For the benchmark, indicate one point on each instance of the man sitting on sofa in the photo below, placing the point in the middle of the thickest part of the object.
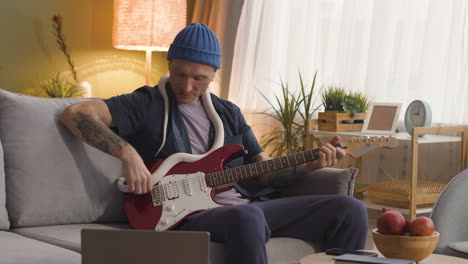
(197, 121)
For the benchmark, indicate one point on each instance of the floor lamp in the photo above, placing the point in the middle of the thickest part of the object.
(148, 25)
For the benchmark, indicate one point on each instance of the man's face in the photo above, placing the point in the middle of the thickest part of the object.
(189, 80)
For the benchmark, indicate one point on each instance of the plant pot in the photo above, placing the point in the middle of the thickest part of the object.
(340, 122)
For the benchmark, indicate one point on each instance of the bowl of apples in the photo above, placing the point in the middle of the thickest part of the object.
(396, 237)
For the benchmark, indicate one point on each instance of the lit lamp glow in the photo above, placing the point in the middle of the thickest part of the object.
(148, 25)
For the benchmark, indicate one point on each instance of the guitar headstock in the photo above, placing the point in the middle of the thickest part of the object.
(358, 146)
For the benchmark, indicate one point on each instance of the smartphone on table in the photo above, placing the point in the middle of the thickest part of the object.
(341, 251)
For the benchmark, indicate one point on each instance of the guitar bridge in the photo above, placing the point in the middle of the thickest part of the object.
(164, 192)
(157, 195)
(172, 186)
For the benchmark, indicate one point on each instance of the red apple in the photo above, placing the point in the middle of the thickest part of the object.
(391, 223)
(421, 226)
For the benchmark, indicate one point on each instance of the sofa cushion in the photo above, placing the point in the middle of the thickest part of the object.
(280, 250)
(324, 181)
(65, 236)
(51, 176)
(4, 222)
(17, 249)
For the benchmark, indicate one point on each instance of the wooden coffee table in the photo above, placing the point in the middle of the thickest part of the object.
(322, 258)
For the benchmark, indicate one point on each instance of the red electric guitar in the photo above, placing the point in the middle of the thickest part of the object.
(189, 186)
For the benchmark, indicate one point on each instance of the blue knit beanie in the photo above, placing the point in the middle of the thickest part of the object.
(196, 43)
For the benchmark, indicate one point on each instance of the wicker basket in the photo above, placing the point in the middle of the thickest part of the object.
(396, 193)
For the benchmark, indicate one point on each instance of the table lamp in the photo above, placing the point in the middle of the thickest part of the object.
(148, 25)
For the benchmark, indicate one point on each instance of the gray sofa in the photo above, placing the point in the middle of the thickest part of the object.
(52, 185)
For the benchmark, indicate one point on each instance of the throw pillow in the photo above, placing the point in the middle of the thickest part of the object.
(52, 177)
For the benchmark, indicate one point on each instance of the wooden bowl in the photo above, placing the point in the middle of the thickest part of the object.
(405, 247)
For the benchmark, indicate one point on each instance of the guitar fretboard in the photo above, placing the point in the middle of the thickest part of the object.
(240, 173)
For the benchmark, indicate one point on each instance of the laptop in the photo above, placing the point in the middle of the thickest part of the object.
(144, 246)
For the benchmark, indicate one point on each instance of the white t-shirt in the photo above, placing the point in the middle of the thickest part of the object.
(197, 124)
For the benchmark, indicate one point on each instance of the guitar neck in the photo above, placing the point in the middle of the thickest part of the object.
(254, 169)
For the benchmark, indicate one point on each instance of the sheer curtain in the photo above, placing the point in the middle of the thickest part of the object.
(392, 50)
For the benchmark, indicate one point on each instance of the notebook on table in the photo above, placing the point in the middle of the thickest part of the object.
(358, 259)
(143, 246)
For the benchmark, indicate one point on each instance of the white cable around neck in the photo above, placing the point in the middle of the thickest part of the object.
(182, 157)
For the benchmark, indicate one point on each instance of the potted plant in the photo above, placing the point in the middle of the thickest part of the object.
(332, 99)
(355, 103)
(343, 111)
(57, 87)
(293, 112)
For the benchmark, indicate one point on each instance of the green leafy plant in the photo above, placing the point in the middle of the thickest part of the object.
(307, 101)
(332, 99)
(355, 103)
(291, 136)
(57, 22)
(284, 138)
(56, 88)
(337, 99)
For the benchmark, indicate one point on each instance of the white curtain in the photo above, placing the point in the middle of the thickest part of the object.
(392, 50)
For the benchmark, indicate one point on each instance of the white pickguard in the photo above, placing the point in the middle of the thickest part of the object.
(180, 195)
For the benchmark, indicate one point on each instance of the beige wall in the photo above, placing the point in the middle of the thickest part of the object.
(29, 54)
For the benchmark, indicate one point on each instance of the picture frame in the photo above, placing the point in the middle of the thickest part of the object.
(381, 118)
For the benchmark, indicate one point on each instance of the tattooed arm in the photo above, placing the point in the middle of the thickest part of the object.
(91, 121)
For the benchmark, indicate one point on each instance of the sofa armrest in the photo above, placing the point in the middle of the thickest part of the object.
(324, 181)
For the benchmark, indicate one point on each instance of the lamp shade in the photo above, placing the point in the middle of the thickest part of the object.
(147, 24)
